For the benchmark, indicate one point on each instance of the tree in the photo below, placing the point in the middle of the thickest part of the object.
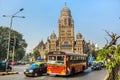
(111, 55)
(19, 50)
(36, 53)
(3, 42)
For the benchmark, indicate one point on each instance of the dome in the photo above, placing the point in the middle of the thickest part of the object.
(53, 36)
(66, 12)
(79, 35)
(65, 9)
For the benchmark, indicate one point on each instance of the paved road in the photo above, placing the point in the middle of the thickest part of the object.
(87, 75)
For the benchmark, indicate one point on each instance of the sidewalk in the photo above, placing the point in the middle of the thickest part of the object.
(7, 73)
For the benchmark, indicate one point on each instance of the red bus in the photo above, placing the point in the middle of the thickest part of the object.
(63, 63)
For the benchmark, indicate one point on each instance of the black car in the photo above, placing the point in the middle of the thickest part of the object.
(36, 69)
(3, 67)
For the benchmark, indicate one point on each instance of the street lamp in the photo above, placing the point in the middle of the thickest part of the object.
(9, 36)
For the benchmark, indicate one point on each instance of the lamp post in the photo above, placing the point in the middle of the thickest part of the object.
(9, 36)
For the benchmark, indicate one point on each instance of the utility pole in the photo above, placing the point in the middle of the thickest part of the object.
(9, 36)
(13, 55)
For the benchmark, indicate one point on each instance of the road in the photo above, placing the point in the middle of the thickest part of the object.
(87, 75)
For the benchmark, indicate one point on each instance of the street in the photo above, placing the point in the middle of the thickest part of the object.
(87, 75)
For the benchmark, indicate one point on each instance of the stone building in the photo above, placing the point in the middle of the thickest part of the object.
(41, 48)
(66, 40)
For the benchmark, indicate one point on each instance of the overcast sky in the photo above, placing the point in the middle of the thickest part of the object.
(91, 18)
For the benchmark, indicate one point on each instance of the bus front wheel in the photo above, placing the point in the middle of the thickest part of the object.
(73, 71)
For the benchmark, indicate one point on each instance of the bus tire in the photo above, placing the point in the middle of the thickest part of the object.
(83, 68)
(73, 71)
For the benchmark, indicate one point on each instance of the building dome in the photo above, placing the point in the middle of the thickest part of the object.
(79, 35)
(53, 36)
(65, 12)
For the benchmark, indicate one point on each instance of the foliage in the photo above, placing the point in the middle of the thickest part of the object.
(26, 58)
(36, 53)
(19, 50)
(92, 52)
(110, 62)
(110, 54)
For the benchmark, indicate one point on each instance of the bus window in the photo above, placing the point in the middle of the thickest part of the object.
(52, 59)
(71, 59)
(60, 59)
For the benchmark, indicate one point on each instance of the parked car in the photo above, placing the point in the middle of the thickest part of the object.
(13, 63)
(101, 64)
(21, 63)
(36, 69)
(96, 66)
(3, 67)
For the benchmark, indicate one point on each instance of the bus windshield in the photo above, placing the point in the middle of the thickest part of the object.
(60, 59)
(56, 59)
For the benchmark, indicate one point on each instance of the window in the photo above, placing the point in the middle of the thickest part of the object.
(60, 59)
(52, 58)
(65, 21)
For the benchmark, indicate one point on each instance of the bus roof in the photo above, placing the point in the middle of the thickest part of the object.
(65, 53)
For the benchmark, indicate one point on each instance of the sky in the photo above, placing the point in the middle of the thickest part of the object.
(91, 18)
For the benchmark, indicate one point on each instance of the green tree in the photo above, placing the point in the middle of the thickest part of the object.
(36, 53)
(95, 53)
(19, 50)
(111, 55)
(3, 43)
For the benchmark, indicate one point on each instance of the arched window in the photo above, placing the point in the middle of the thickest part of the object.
(69, 22)
(65, 21)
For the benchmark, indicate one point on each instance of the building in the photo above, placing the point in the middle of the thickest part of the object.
(66, 40)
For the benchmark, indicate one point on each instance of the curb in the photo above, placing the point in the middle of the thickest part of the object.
(106, 78)
(7, 73)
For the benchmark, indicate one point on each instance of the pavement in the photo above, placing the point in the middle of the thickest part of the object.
(7, 73)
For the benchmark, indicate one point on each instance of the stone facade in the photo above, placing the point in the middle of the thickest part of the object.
(66, 40)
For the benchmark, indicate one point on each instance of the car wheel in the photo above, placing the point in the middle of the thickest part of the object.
(92, 69)
(26, 75)
(47, 74)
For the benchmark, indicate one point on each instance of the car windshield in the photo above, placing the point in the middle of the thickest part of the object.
(35, 65)
(2, 64)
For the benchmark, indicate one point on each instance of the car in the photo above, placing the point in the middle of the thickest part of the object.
(96, 66)
(21, 63)
(101, 64)
(3, 67)
(13, 63)
(36, 69)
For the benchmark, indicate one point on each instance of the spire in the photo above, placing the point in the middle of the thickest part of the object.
(53, 31)
(65, 4)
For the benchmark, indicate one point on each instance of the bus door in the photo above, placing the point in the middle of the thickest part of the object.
(67, 64)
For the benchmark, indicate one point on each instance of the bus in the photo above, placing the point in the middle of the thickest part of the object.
(64, 63)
